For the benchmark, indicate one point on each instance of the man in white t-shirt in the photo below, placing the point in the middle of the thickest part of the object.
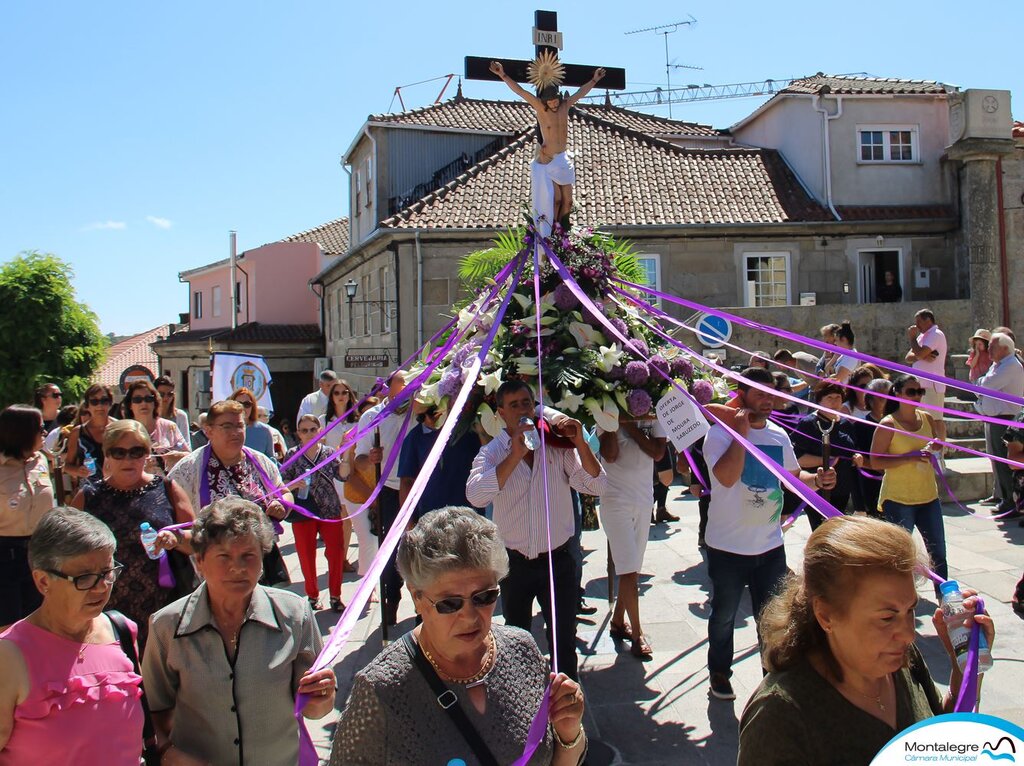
(316, 402)
(744, 532)
(628, 456)
(928, 353)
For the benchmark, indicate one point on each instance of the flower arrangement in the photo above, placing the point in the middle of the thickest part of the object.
(587, 373)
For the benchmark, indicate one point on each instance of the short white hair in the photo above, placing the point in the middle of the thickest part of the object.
(1005, 341)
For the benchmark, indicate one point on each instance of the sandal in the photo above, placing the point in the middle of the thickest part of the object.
(642, 648)
(620, 632)
(337, 606)
(314, 604)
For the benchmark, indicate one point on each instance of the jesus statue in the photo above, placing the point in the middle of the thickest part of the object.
(551, 172)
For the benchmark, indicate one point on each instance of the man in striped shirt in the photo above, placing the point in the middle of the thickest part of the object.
(509, 474)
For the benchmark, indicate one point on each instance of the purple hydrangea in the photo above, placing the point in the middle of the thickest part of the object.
(658, 362)
(681, 368)
(641, 347)
(465, 352)
(702, 391)
(620, 325)
(617, 373)
(450, 382)
(639, 402)
(637, 373)
(564, 299)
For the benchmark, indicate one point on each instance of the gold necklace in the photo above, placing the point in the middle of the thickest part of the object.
(485, 665)
(876, 699)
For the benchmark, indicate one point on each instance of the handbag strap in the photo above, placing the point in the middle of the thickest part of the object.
(448, 700)
(124, 637)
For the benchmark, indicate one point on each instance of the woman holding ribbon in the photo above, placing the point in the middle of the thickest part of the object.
(909, 495)
(316, 495)
(225, 664)
(126, 497)
(84, 456)
(141, 402)
(343, 405)
(458, 686)
(844, 674)
(226, 467)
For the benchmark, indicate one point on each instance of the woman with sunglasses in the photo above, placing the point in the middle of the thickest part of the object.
(166, 409)
(910, 494)
(25, 495)
(257, 434)
(126, 496)
(342, 404)
(85, 441)
(321, 499)
(68, 693)
(493, 676)
(141, 403)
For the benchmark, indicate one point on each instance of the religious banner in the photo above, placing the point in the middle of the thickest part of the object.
(231, 371)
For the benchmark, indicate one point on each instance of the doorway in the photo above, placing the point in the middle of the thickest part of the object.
(872, 270)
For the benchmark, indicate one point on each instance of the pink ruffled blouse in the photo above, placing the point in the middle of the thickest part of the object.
(83, 703)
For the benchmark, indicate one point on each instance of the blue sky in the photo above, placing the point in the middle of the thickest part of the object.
(135, 135)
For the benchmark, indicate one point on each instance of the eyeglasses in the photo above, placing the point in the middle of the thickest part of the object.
(308, 430)
(245, 403)
(914, 391)
(92, 579)
(129, 453)
(454, 604)
(229, 427)
(150, 399)
(104, 402)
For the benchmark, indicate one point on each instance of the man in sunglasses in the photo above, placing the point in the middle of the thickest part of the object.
(48, 399)
(509, 474)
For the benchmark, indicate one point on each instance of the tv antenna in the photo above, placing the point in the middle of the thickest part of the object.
(665, 30)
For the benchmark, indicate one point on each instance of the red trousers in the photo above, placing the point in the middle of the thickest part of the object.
(305, 546)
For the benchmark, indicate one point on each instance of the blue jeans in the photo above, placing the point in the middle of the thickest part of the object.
(928, 520)
(730, 573)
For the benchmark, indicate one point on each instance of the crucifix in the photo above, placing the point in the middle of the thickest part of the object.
(551, 173)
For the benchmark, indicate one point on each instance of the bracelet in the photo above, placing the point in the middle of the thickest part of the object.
(568, 745)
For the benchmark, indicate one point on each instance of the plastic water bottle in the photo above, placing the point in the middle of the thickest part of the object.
(303, 491)
(89, 463)
(148, 537)
(959, 634)
(530, 437)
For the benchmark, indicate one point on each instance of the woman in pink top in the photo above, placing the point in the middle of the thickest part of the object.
(169, 446)
(68, 694)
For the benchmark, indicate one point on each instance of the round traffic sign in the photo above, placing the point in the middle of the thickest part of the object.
(714, 331)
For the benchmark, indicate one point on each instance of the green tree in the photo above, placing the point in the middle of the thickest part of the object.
(45, 333)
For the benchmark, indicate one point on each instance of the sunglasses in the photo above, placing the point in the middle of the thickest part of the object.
(245, 403)
(104, 402)
(127, 453)
(56, 395)
(92, 579)
(914, 391)
(150, 399)
(454, 604)
(308, 430)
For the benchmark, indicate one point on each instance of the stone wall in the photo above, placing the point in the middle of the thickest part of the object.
(1013, 217)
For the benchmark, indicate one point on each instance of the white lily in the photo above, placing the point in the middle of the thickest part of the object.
(721, 387)
(570, 402)
(489, 421)
(585, 335)
(605, 412)
(610, 356)
(525, 365)
(620, 398)
(491, 381)
(428, 393)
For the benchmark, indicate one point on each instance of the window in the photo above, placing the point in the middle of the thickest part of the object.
(216, 300)
(887, 143)
(197, 304)
(358, 190)
(651, 264)
(369, 183)
(364, 289)
(238, 297)
(384, 294)
(767, 279)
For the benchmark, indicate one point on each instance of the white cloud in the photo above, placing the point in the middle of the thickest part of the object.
(106, 225)
(160, 223)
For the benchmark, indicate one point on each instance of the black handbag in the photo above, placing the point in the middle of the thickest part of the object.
(150, 752)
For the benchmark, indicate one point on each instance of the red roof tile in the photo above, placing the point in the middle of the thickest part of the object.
(252, 332)
(331, 236)
(894, 212)
(130, 351)
(624, 178)
(850, 84)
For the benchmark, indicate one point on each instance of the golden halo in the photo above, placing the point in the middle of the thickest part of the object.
(545, 70)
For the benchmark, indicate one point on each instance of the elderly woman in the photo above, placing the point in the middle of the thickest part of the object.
(224, 665)
(845, 676)
(225, 468)
(491, 677)
(909, 495)
(321, 500)
(141, 402)
(25, 495)
(68, 694)
(84, 456)
(123, 499)
(257, 434)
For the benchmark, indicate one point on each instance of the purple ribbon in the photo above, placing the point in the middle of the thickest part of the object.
(706, 489)
(538, 726)
(166, 576)
(949, 491)
(339, 635)
(967, 699)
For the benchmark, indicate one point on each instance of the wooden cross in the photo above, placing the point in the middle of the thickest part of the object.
(546, 37)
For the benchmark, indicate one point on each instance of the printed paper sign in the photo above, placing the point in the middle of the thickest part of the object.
(681, 419)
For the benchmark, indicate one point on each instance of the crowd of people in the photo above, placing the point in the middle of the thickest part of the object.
(183, 650)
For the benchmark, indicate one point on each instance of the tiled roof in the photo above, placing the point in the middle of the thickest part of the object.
(516, 116)
(331, 236)
(624, 178)
(1018, 129)
(894, 212)
(252, 332)
(848, 84)
(130, 351)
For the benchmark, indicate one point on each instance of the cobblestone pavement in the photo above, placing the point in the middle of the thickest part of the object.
(659, 712)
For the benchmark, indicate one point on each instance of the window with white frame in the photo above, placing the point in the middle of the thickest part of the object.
(887, 143)
(216, 300)
(766, 279)
(651, 265)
